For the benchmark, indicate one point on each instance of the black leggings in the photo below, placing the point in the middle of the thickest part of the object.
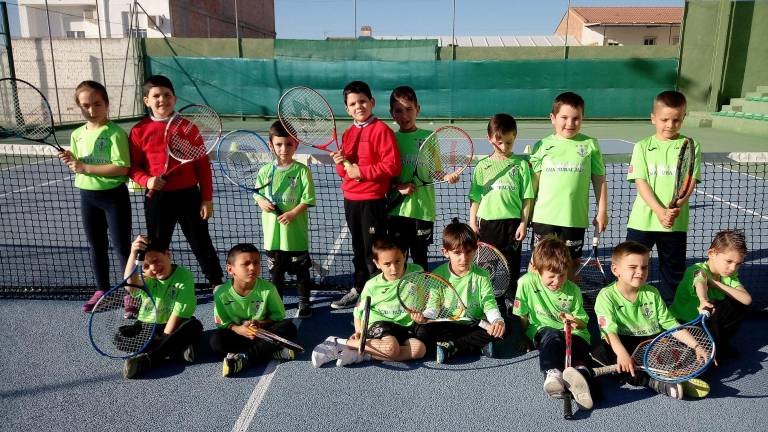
(162, 346)
(224, 341)
(468, 339)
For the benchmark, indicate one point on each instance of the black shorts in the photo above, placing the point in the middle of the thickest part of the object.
(379, 329)
(411, 232)
(291, 262)
(573, 237)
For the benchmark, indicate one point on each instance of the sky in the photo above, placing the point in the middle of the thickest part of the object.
(318, 19)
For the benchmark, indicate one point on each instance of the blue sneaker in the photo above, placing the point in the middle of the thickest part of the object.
(488, 350)
(445, 350)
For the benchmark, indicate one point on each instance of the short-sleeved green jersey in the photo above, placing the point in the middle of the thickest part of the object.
(646, 316)
(685, 305)
(104, 145)
(475, 290)
(655, 162)
(542, 306)
(384, 303)
(175, 295)
(262, 303)
(501, 186)
(291, 186)
(421, 203)
(565, 168)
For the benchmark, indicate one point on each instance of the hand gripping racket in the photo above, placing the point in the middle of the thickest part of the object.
(26, 113)
(364, 325)
(684, 171)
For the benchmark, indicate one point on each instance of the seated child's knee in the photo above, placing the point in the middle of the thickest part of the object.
(417, 347)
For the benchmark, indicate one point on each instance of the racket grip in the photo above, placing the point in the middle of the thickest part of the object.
(485, 325)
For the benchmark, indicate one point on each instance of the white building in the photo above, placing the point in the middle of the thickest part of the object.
(600, 26)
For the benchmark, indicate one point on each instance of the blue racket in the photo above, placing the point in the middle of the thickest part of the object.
(681, 353)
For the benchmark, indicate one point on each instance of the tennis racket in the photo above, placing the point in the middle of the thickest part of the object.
(567, 396)
(244, 154)
(190, 135)
(275, 339)
(433, 297)
(364, 326)
(110, 333)
(637, 357)
(492, 260)
(684, 171)
(681, 353)
(591, 276)
(26, 113)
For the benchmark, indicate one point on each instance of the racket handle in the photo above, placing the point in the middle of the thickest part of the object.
(604, 370)
(485, 325)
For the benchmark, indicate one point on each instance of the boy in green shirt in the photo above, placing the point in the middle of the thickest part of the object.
(652, 170)
(545, 300)
(473, 285)
(242, 304)
(564, 164)
(173, 289)
(286, 236)
(501, 196)
(390, 330)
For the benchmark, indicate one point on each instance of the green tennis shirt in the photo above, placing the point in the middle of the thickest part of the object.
(421, 203)
(385, 305)
(646, 316)
(475, 290)
(542, 306)
(565, 168)
(685, 305)
(174, 295)
(263, 302)
(291, 186)
(104, 145)
(655, 162)
(501, 186)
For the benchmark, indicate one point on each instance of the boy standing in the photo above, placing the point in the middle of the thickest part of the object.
(286, 237)
(652, 170)
(186, 196)
(370, 147)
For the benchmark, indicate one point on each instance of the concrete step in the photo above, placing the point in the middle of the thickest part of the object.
(762, 88)
(701, 119)
(759, 94)
(741, 125)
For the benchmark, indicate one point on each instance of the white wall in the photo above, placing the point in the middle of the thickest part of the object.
(630, 35)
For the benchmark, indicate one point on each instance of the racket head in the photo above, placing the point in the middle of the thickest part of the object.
(591, 275)
(669, 359)
(448, 150)
(430, 295)
(308, 117)
(192, 132)
(684, 171)
(242, 154)
(493, 261)
(26, 112)
(364, 325)
(276, 339)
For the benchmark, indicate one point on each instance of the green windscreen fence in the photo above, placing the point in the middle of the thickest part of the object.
(612, 88)
(388, 50)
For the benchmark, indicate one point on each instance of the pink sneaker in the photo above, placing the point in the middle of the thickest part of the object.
(89, 305)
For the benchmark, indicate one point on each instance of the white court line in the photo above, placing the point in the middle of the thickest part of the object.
(34, 186)
(250, 408)
(728, 203)
(731, 170)
(331, 257)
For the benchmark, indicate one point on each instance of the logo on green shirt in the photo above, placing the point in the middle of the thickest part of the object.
(582, 150)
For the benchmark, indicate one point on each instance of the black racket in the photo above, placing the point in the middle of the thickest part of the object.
(684, 171)
(26, 113)
(493, 261)
(275, 339)
(364, 325)
(591, 276)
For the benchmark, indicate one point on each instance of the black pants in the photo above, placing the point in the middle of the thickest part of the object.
(468, 339)
(164, 346)
(573, 237)
(296, 263)
(501, 234)
(551, 345)
(106, 211)
(364, 220)
(415, 235)
(725, 322)
(165, 209)
(671, 250)
(225, 341)
(603, 353)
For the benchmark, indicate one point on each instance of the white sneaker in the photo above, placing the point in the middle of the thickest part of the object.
(349, 300)
(578, 387)
(351, 356)
(327, 351)
(554, 386)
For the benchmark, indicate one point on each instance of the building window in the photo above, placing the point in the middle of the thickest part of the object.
(138, 29)
(75, 34)
(649, 40)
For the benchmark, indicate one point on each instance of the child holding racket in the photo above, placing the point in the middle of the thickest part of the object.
(391, 335)
(653, 220)
(564, 165)
(173, 289)
(99, 157)
(242, 306)
(714, 285)
(286, 232)
(545, 300)
(370, 147)
(473, 285)
(501, 196)
(185, 197)
(629, 312)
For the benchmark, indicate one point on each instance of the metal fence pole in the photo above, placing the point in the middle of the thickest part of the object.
(53, 61)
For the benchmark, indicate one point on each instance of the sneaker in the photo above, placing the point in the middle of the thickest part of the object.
(305, 310)
(130, 311)
(327, 351)
(284, 354)
(445, 350)
(233, 364)
(554, 386)
(351, 356)
(673, 390)
(135, 366)
(696, 388)
(349, 300)
(89, 305)
(579, 388)
(488, 350)
(189, 354)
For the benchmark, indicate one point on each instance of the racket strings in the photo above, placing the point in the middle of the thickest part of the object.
(675, 358)
(112, 333)
(307, 116)
(446, 151)
(193, 133)
(431, 297)
(244, 155)
(496, 265)
(591, 276)
(24, 111)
